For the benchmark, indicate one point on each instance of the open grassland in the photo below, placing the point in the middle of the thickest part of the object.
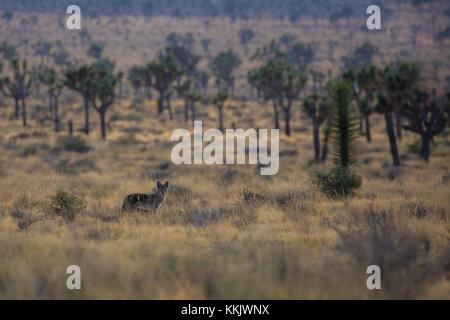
(225, 231)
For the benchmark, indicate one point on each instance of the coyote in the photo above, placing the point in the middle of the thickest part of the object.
(146, 201)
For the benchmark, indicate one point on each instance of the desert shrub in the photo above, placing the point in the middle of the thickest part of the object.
(203, 217)
(67, 166)
(416, 146)
(295, 204)
(65, 204)
(445, 179)
(74, 144)
(245, 214)
(414, 208)
(253, 197)
(127, 140)
(104, 213)
(34, 149)
(380, 237)
(180, 196)
(337, 182)
(228, 176)
(22, 212)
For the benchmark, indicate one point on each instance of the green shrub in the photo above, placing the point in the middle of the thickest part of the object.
(416, 146)
(74, 144)
(66, 166)
(65, 204)
(338, 182)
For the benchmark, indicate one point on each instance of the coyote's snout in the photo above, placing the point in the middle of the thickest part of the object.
(146, 201)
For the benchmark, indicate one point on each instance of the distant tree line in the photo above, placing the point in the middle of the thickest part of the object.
(235, 9)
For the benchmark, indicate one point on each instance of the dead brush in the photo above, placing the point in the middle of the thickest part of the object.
(23, 214)
(295, 204)
(384, 238)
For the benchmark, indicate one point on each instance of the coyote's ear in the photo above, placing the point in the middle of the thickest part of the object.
(158, 184)
(166, 185)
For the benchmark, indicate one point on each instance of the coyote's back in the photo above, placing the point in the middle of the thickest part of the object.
(146, 201)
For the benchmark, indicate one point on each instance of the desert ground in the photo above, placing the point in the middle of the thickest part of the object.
(225, 231)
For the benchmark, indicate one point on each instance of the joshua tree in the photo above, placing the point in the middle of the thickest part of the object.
(135, 78)
(398, 83)
(292, 82)
(43, 49)
(426, 118)
(173, 39)
(186, 60)
(317, 110)
(219, 102)
(55, 86)
(266, 80)
(282, 82)
(205, 43)
(245, 37)
(164, 71)
(95, 50)
(340, 181)
(191, 97)
(19, 87)
(361, 58)
(365, 84)
(8, 51)
(385, 107)
(223, 67)
(77, 79)
(101, 84)
(301, 55)
(401, 81)
(287, 40)
(446, 107)
(119, 77)
(344, 124)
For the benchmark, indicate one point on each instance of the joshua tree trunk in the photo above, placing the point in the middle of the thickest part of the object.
(70, 127)
(425, 150)
(86, 114)
(221, 126)
(24, 113)
(316, 138)
(193, 115)
(367, 123)
(186, 111)
(276, 116)
(16, 108)
(398, 124)
(50, 104)
(102, 125)
(169, 107)
(361, 126)
(324, 153)
(392, 139)
(161, 103)
(287, 120)
(56, 114)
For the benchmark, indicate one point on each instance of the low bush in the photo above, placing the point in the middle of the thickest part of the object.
(65, 204)
(74, 144)
(338, 182)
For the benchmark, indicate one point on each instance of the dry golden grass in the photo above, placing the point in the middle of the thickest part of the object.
(207, 241)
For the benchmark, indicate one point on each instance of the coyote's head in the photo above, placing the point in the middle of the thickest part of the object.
(161, 188)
